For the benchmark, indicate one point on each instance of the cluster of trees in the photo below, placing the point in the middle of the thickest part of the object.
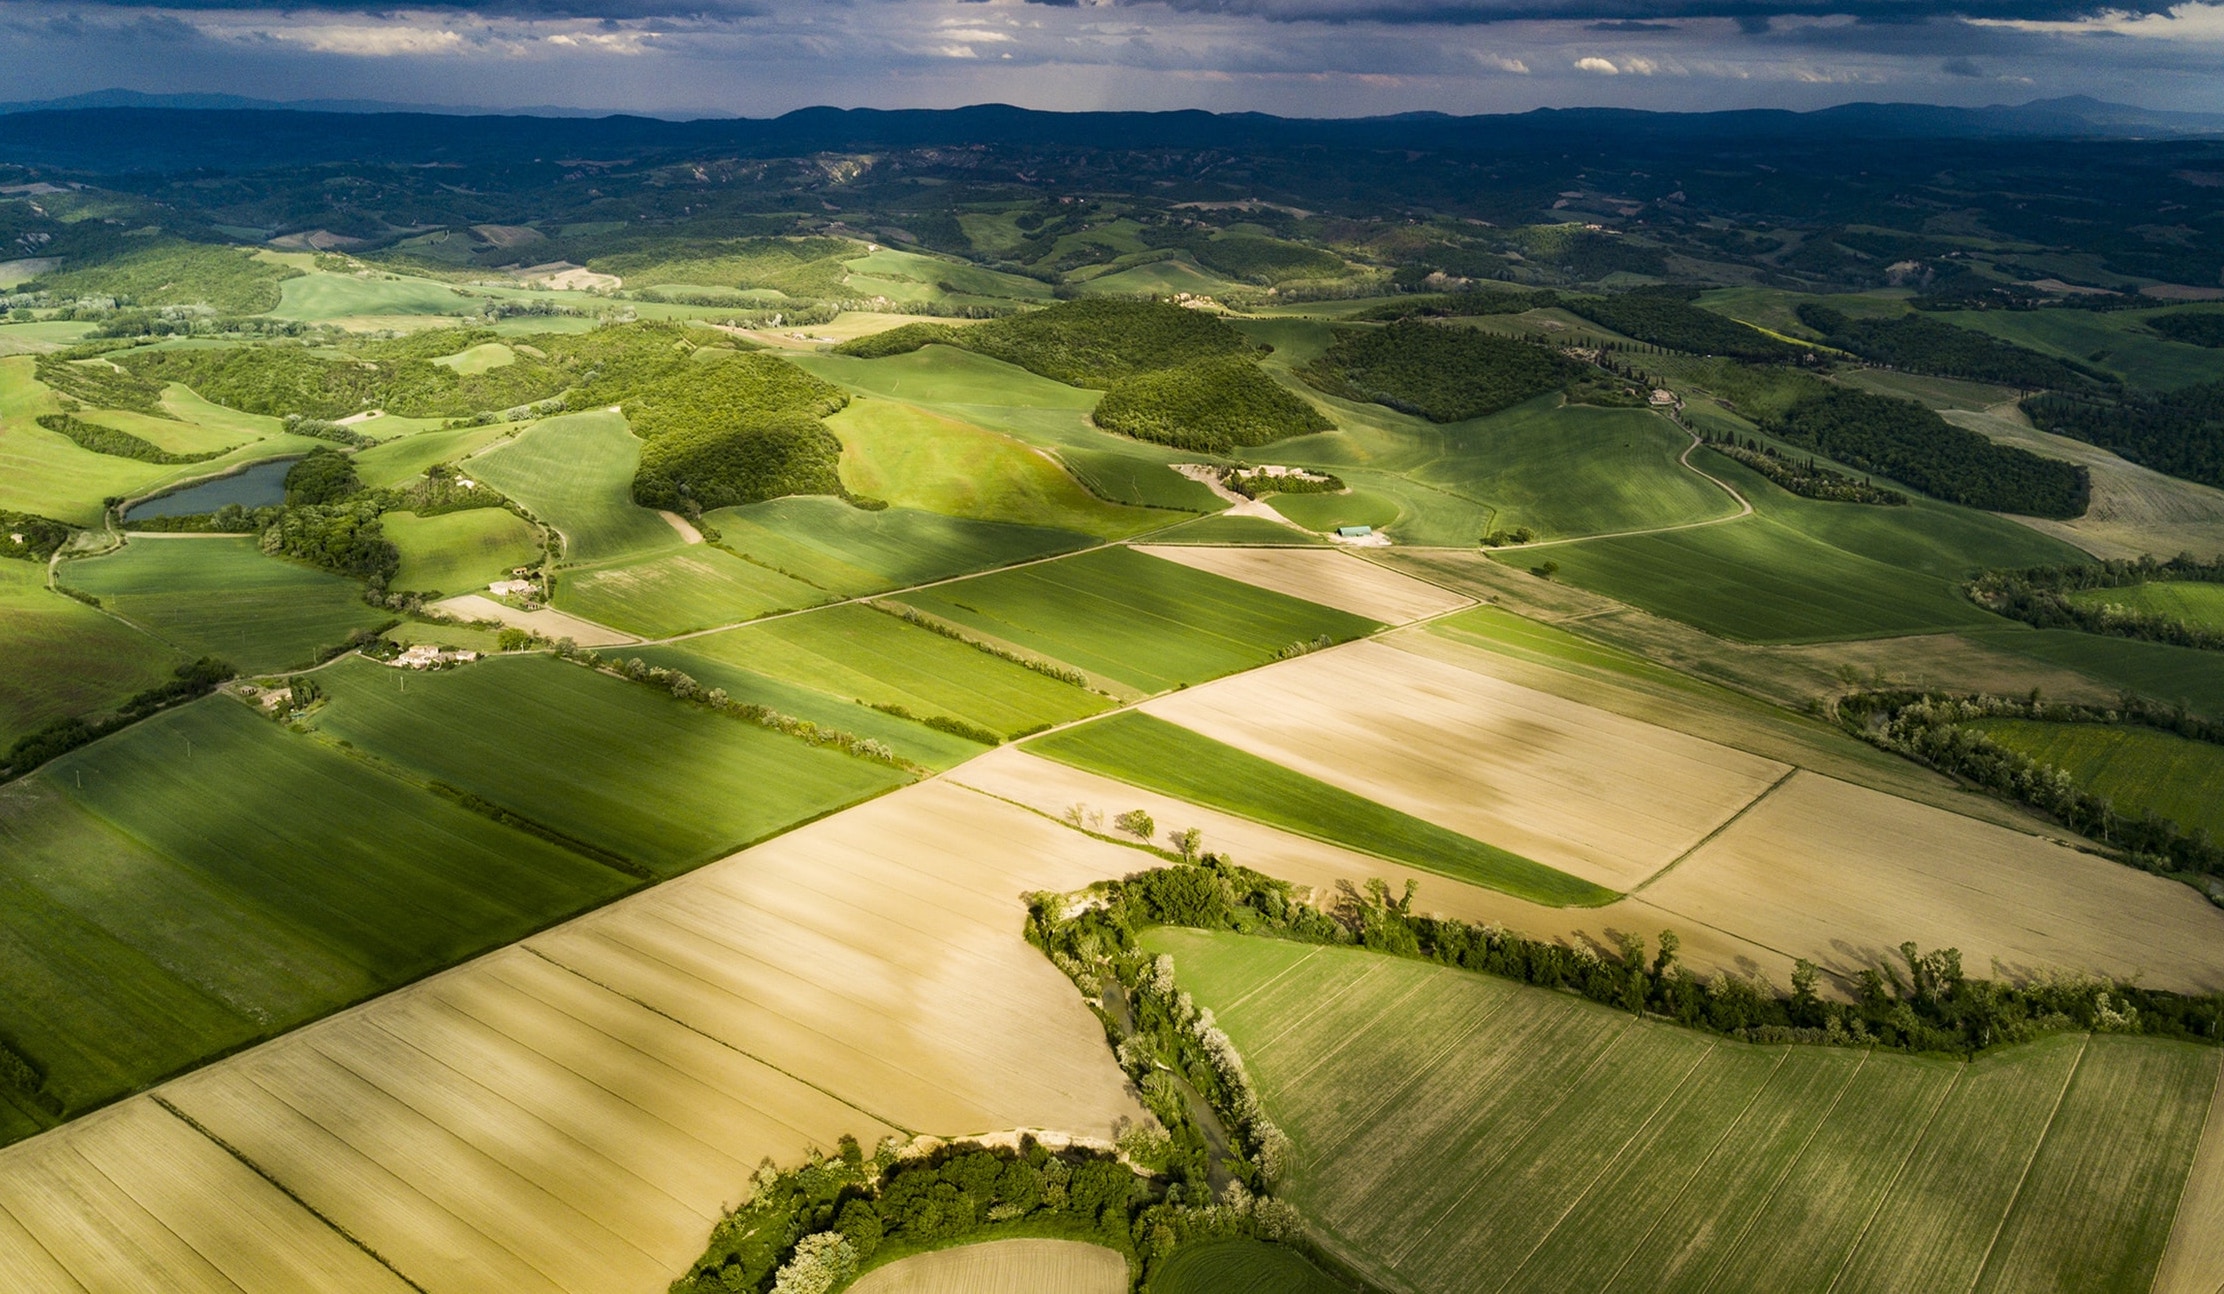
(1214, 406)
(1922, 1003)
(1921, 345)
(1930, 728)
(188, 682)
(1809, 479)
(29, 536)
(1094, 342)
(1257, 483)
(719, 388)
(1666, 317)
(2193, 327)
(811, 1229)
(747, 460)
(2039, 595)
(1440, 373)
(1909, 442)
(190, 321)
(602, 366)
(100, 386)
(2180, 432)
(165, 271)
(343, 536)
(321, 476)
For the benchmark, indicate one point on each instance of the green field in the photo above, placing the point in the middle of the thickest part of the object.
(1758, 580)
(206, 878)
(64, 658)
(576, 474)
(910, 738)
(1147, 623)
(220, 596)
(1240, 1267)
(858, 653)
(322, 297)
(1357, 506)
(1237, 530)
(2155, 670)
(2193, 602)
(1802, 570)
(991, 395)
(918, 459)
(616, 764)
(1452, 1130)
(2111, 341)
(698, 587)
(456, 552)
(395, 461)
(1150, 752)
(850, 551)
(2136, 768)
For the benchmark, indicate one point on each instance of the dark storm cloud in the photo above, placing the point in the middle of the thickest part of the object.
(497, 9)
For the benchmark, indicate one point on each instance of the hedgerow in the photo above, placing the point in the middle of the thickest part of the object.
(1089, 343)
(117, 444)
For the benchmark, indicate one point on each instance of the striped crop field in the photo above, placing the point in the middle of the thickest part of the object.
(1455, 1131)
(1141, 621)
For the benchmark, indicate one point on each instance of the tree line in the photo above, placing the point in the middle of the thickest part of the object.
(2039, 596)
(1920, 345)
(1923, 1002)
(1930, 728)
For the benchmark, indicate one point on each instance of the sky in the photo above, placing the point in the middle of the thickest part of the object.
(1290, 57)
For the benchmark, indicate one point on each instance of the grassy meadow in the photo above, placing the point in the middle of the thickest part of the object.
(1455, 1130)
(1138, 620)
(696, 587)
(206, 878)
(2193, 602)
(1152, 753)
(395, 461)
(2137, 768)
(2116, 342)
(666, 785)
(576, 474)
(910, 738)
(219, 595)
(65, 658)
(850, 551)
(455, 552)
(870, 656)
(2156, 670)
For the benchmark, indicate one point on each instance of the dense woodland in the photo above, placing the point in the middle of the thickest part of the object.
(1444, 374)
(2180, 432)
(1908, 442)
(1213, 406)
(1922, 345)
(1667, 317)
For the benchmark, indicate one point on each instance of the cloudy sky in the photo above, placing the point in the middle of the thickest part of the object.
(1294, 57)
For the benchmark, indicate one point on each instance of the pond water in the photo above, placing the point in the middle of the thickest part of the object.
(259, 486)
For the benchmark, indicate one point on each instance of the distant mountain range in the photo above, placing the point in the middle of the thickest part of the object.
(124, 131)
(2072, 116)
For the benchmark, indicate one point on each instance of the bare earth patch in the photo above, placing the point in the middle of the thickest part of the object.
(547, 622)
(574, 1112)
(1845, 875)
(1003, 1267)
(1599, 796)
(1322, 575)
(687, 531)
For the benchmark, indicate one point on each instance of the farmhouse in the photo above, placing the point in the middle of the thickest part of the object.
(427, 656)
(510, 588)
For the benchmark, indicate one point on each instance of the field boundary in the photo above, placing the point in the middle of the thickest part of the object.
(247, 1162)
(1726, 824)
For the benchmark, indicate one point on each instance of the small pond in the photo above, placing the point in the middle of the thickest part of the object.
(259, 486)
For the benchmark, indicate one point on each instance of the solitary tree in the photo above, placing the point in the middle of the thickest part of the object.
(1137, 823)
(1188, 843)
